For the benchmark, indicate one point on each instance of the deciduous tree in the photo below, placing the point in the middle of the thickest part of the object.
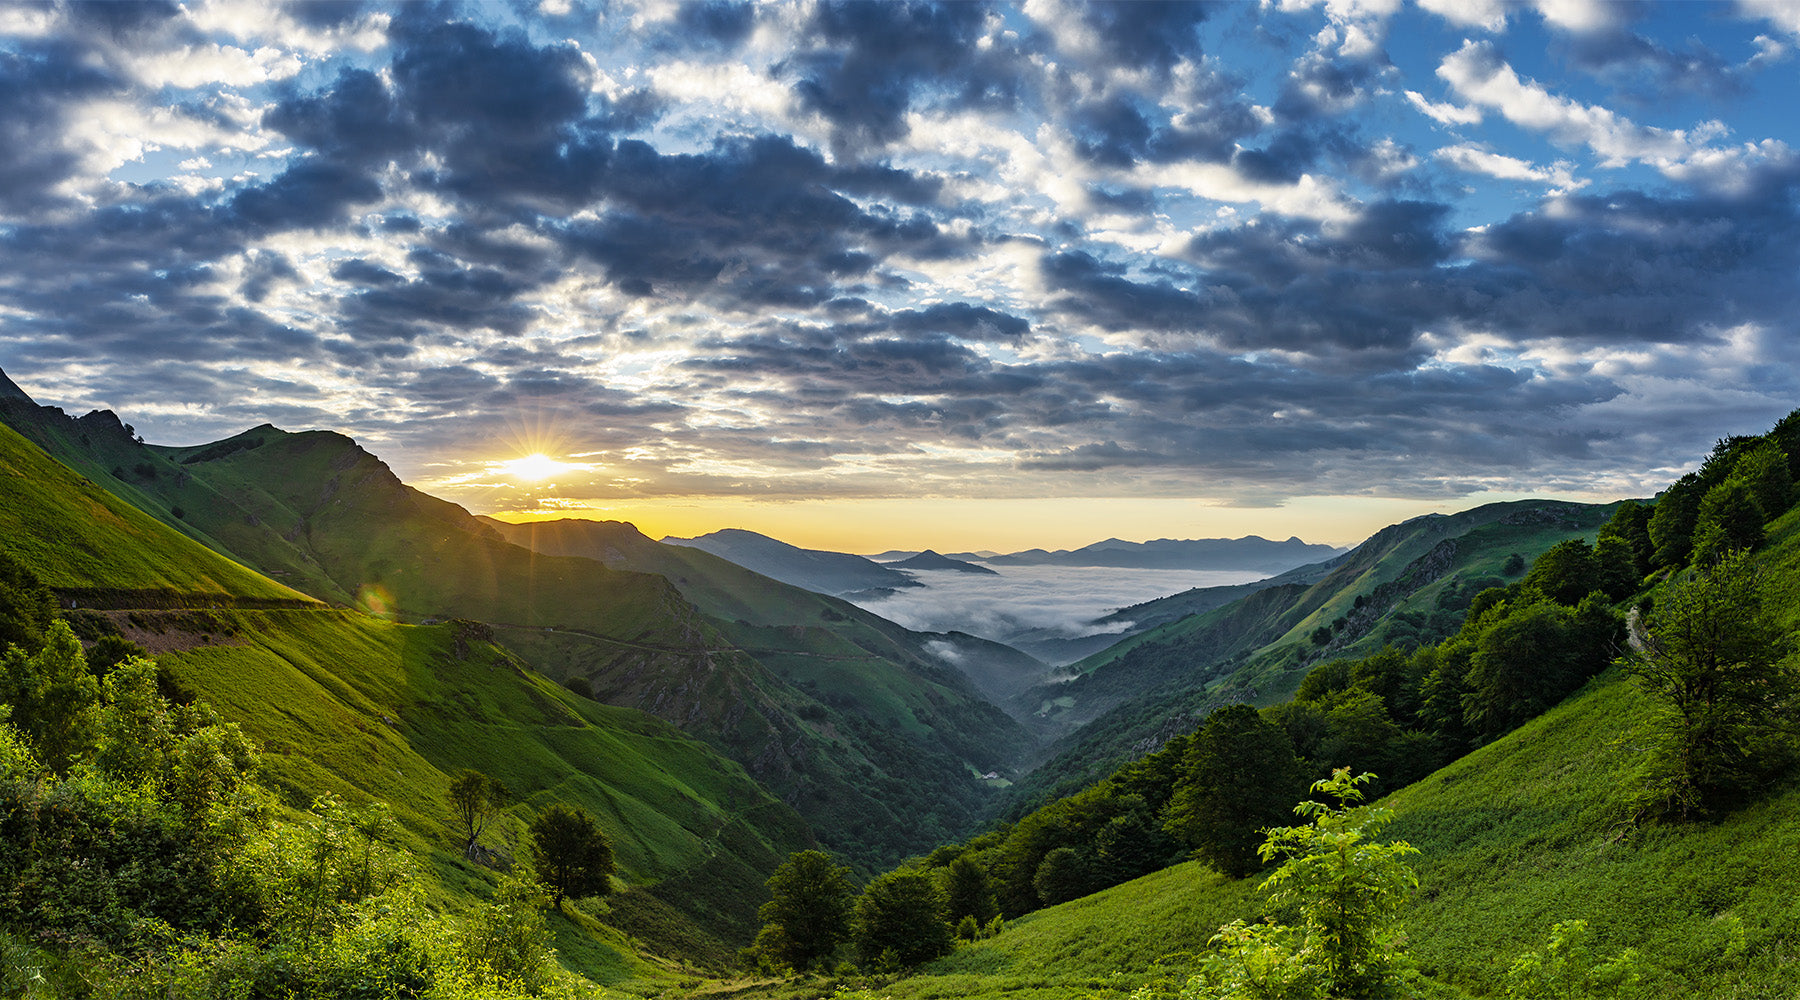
(475, 799)
(808, 913)
(1239, 777)
(574, 858)
(1715, 662)
(899, 920)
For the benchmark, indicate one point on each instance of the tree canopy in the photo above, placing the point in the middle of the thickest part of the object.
(1715, 660)
(574, 858)
(808, 913)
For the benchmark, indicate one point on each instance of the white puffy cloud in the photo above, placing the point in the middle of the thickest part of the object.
(1477, 159)
(1479, 76)
(1445, 113)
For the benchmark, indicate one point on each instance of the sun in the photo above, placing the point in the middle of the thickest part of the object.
(534, 468)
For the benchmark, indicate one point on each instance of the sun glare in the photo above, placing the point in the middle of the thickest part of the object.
(534, 468)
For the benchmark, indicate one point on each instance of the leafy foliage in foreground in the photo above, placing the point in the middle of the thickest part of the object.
(146, 861)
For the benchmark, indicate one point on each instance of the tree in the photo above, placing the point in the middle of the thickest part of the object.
(1729, 518)
(899, 920)
(1615, 568)
(1631, 524)
(1714, 661)
(1566, 573)
(808, 912)
(26, 607)
(1522, 664)
(53, 696)
(1671, 526)
(574, 857)
(505, 942)
(1064, 874)
(1239, 776)
(475, 799)
(968, 892)
(1130, 844)
(1764, 470)
(1347, 887)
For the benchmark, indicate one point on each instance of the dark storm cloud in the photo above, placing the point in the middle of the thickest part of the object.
(1647, 74)
(121, 21)
(38, 84)
(306, 195)
(263, 271)
(355, 120)
(1287, 155)
(1157, 35)
(718, 22)
(756, 221)
(875, 57)
(326, 13)
(1101, 293)
(445, 293)
(1631, 266)
(1322, 84)
(1094, 457)
(960, 319)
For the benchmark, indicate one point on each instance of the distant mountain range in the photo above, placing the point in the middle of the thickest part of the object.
(835, 573)
(1251, 552)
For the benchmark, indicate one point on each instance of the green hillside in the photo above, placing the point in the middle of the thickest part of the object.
(877, 741)
(892, 731)
(374, 711)
(1540, 826)
(786, 626)
(87, 543)
(1407, 585)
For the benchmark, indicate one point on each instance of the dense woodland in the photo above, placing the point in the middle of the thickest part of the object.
(145, 854)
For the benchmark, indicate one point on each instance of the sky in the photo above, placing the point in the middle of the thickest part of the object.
(886, 275)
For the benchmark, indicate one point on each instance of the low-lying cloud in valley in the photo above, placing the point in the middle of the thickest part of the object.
(1061, 599)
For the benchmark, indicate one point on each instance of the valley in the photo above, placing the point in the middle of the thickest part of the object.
(718, 719)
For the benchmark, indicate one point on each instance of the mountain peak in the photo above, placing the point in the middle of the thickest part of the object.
(10, 391)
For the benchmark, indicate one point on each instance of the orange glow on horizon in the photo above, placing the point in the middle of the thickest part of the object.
(1006, 525)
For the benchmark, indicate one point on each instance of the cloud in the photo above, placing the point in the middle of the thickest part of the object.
(797, 250)
(874, 58)
(1480, 76)
(1488, 15)
(1065, 600)
(1475, 159)
(1446, 113)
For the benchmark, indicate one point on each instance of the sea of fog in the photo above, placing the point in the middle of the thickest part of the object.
(1061, 598)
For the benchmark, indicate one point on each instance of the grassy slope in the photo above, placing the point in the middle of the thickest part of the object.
(373, 710)
(887, 731)
(79, 536)
(318, 510)
(368, 709)
(1135, 695)
(1514, 837)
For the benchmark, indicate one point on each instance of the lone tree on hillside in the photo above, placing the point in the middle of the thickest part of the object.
(574, 857)
(1714, 660)
(808, 913)
(475, 799)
